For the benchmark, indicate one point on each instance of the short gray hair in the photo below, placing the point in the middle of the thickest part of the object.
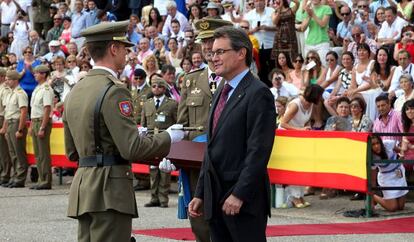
(238, 40)
(171, 4)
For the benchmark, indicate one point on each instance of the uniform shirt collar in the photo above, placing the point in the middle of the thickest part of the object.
(159, 98)
(106, 69)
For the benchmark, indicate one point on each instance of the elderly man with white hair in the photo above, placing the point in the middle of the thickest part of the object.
(173, 14)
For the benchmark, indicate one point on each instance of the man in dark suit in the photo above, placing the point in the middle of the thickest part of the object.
(234, 185)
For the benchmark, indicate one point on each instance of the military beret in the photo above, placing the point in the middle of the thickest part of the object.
(3, 71)
(159, 81)
(140, 72)
(12, 75)
(108, 31)
(41, 68)
(206, 27)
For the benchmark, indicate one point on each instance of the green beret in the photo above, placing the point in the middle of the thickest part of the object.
(206, 27)
(159, 81)
(108, 31)
(12, 75)
(41, 68)
(3, 71)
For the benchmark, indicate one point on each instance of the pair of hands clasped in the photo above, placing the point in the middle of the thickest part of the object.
(231, 206)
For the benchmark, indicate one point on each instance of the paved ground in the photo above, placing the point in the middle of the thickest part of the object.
(28, 215)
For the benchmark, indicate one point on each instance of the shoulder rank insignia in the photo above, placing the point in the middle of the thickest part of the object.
(125, 108)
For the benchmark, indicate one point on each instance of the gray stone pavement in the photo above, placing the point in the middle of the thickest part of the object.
(28, 215)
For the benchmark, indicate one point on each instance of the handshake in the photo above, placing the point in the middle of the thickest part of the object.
(175, 131)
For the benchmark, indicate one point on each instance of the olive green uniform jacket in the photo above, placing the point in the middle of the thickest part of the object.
(138, 100)
(98, 189)
(161, 118)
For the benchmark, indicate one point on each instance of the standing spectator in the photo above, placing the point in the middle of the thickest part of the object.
(41, 127)
(260, 19)
(8, 12)
(173, 14)
(159, 113)
(66, 35)
(159, 51)
(407, 118)
(41, 17)
(245, 25)
(195, 14)
(20, 28)
(155, 19)
(25, 67)
(406, 42)
(317, 19)
(57, 77)
(38, 45)
(285, 36)
(144, 49)
(56, 31)
(92, 11)
(78, 22)
(15, 126)
(5, 161)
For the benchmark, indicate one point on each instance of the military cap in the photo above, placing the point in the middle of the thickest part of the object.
(107, 31)
(159, 81)
(206, 27)
(140, 72)
(227, 3)
(41, 68)
(12, 75)
(3, 71)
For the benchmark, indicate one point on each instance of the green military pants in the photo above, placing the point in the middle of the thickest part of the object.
(104, 226)
(17, 151)
(5, 161)
(160, 186)
(41, 148)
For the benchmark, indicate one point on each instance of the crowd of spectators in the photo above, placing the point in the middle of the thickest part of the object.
(359, 52)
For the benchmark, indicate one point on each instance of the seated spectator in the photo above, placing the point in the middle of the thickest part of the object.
(4, 61)
(91, 13)
(85, 66)
(342, 119)
(20, 28)
(344, 28)
(71, 77)
(213, 10)
(57, 77)
(64, 10)
(360, 121)
(66, 35)
(159, 51)
(281, 88)
(168, 74)
(330, 74)
(150, 66)
(173, 14)
(404, 67)
(407, 144)
(197, 60)
(38, 45)
(284, 63)
(133, 36)
(152, 34)
(72, 48)
(390, 31)
(313, 68)
(296, 75)
(54, 51)
(379, 15)
(362, 71)
(176, 31)
(280, 105)
(195, 13)
(57, 112)
(383, 70)
(358, 37)
(389, 175)
(404, 8)
(189, 45)
(56, 31)
(407, 85)
(132, 64)
(186, 67)
(144, 50)
(406, 42)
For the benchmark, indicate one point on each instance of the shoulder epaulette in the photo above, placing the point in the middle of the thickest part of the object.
(115, 80)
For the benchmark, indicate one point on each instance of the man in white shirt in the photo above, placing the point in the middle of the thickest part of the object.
(176, 31)
(391, 28)
(8, 13)
(281, 88)
(404, 67)
(54, 48)
(260, 20)
(132, 65)
(173, 14)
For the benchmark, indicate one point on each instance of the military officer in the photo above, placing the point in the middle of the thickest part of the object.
(16, 114)
(159, 112)
(5, 162)
(139, 92)
(196, 95)
(101, 133)
(41, 126)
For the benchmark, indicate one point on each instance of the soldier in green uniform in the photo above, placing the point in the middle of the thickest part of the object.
(139, 92)
(101, 133)
(196, 95)
(159, 112)
(15, 125)
(41, 126)
(5, 162)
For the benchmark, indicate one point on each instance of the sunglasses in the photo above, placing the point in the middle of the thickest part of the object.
(356, 35)
(298, 61)
(155, 86)
(362, 6)
(345, 14)
(138, 78)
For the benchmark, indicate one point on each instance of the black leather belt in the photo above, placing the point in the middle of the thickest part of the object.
(102, 160)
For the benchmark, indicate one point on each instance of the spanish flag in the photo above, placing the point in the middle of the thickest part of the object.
(320, 159)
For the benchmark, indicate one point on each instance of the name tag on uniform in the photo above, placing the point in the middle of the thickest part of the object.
(160, 118)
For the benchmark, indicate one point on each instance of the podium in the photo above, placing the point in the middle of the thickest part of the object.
(187, 154)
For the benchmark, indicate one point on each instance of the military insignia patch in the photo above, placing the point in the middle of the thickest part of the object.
(188, 83)
(126, 108)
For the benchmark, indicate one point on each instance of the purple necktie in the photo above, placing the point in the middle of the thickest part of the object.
(220, 105)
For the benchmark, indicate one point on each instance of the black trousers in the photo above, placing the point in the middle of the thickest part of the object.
(266, 65)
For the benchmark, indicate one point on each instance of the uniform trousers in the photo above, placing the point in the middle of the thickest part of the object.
(41, 148)
(5, 161)
(17, 150)
(104, 226)
(266, 65)
(160, 185)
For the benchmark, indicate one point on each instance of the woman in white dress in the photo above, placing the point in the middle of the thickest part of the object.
(21, 28)
(297, 116)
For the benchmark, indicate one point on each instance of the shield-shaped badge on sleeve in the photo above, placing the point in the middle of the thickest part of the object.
(126, 108)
